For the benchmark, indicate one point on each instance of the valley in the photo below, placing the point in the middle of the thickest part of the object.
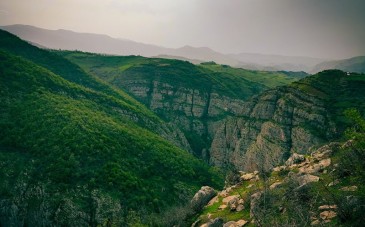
(90, 139)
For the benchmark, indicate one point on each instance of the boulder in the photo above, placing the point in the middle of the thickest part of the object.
(307, 178)
(295, 159)
(231, 198)
(241, 222)
(310, 169)
(254, 199)
(212, 201)
(218, 222)
(202, 197)
(230, 224)
(333, 183)
(278, 168)
(325, 162)
(349, 188)
(248, 176)
(275, 185)
(238, 223)
(325, 215)
(327, 207)
(240, 207)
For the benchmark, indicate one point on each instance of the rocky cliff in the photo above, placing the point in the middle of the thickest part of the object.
(216, 109)
(198, 112)
(272, 126)
(191, 98)
(269, 128)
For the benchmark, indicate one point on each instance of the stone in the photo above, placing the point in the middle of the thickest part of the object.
(307, 178)
(315, 222)
(310, 169)
(217, 222)
(202, 197)
(223, 193)
(212, 201)
(349, 188)
(240, 207)
(327, 207)
(279, 168)
(295, 159)
(248, 176)
(333, 183)
(327, 215)
(241, 223)
(230, 224)
(254, 198)
(229, 199)
(238, 223)
(222, 207)
(325, 162)
(275, 185)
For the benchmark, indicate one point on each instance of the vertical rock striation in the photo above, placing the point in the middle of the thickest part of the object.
(269, 128)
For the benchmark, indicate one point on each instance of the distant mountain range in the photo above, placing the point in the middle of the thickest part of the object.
(355, 64)
(96, 43)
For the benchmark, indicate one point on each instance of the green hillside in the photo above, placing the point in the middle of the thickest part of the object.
(116, 69)
(268, 79)
(340, 91)
(75, 152)
(194, 98)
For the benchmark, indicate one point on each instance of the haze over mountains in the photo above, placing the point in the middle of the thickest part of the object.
(125, 140)
(96, 43)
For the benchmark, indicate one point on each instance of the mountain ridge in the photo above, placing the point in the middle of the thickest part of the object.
(88, 43)
(79, 152)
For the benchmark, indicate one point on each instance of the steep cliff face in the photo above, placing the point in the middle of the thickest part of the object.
(198, 112)
(269, 128)
(188, 97)
(285, 120)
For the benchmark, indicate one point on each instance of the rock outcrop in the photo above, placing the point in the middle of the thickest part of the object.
(202, 197)
(197, 109)
(269, 128)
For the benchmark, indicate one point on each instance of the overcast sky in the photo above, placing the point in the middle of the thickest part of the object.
(316, 28)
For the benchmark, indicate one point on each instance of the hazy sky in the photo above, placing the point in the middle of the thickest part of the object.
(317, 28)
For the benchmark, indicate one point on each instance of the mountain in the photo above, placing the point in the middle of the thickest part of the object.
(356, 64)
(320, 189)
(194, 98)
(92, 139)
(290, 119)
(69, 40)
(75, 151)
(277, 62)
(95, 43)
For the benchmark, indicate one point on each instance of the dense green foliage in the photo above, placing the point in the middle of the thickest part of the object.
(174, 82)
(74, 151)
(267, 79)
(115, 69)
(339, 90)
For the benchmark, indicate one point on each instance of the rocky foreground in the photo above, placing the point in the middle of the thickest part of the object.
(281, 193)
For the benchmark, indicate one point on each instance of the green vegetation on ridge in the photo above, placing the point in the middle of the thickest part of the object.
(77, 152)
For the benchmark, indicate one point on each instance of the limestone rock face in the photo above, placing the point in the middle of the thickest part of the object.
(202, 197)
(269, 128)
(196, 111)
